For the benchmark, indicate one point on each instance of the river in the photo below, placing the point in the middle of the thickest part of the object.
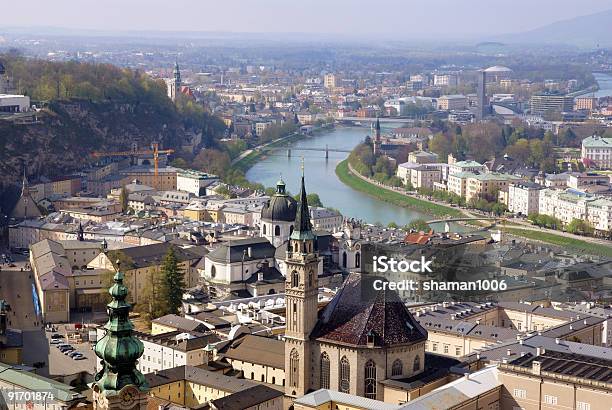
(605, 84)
(321, 177)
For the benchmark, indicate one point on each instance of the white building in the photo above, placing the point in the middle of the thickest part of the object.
(445, 80)
(325, 219)
(194, 182)
(570, 204)
(14, 103)
(465, 166)
(524, 198)
(598, 151)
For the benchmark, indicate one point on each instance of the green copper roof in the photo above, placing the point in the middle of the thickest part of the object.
(119, 350)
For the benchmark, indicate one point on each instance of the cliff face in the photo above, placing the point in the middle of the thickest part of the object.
(67, 132)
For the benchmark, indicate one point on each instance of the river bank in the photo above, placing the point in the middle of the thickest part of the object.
(360, 183)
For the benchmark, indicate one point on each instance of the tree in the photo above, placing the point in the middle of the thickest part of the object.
(580, 227)
(173, 282)
(418, 225)
(123, 199)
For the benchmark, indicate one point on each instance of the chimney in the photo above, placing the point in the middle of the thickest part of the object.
(250, 252)
(536, 367)
(508, 352)
(585, 321)
(557, 340)
(540, 351)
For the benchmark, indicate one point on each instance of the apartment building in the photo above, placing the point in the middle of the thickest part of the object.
(194, 181)
(487, 185)
(586, 103)
(194, 387)
(597, 151)
(325, 219)
(571, 204)
(445, 80)
(452, 102)
(465, 166)
(524, 198)
(551, 102)
(422, 157)
(550, 379)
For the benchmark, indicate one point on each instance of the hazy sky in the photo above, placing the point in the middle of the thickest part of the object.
(420, 18)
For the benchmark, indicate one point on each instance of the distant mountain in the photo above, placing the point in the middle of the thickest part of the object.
(585, 31)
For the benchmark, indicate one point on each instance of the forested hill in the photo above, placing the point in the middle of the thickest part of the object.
(88, 107)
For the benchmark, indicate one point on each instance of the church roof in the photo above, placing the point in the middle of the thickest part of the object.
(234, 251)
(280, 207)
(354, 314)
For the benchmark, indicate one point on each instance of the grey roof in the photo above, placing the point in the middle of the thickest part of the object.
(258, 349)
(323, 396)
(199, 376)
(233, 251)
(153, 255)
(180, 323)
(246, 399)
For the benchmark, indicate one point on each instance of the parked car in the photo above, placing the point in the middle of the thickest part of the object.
(55, 341)
(79, 357)
(56, 336)
(74, 353)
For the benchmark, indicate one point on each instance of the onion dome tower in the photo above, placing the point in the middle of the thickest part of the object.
(119, 384)
(278, 216)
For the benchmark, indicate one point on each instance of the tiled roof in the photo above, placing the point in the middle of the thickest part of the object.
(350, 318)
(246, 399)
(258, 349)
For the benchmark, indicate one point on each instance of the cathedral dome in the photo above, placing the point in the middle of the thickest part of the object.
(280, 207)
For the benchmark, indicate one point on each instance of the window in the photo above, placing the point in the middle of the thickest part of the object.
(213, 271)
(264, 229)
(277, 230)
(446, 349)
(417, 364)
(583, 406)
(370, 380)
(550, 399)
(310, 280)
(520, 393)
(434, 347)
(357, 260)
(397, 368)
(345, 375)
(294, 372)
(457, 351)
(295, 279)
(324, 371)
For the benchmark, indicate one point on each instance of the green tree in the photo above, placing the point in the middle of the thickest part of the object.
(418, 225)
(173, 283)
(580, 227)
(123, 199)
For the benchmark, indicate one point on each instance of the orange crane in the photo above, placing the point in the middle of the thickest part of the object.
(154, 150)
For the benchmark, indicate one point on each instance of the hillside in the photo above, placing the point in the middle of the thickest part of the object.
(584, 31)
(112, 115)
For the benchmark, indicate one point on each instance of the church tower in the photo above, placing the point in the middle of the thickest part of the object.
(301, 297)
(119, 385)
(377, 140)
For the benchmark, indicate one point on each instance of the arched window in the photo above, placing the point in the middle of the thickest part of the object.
(294, 365)
(417, 364)
(357, 260)
(290, 229)
(264, 229)
(370, 380)
(310, 279)
(345, 375)
(397, 368)
(277, 230)
(213, 271)
(344, 259)
(295, 279)
(324, 371)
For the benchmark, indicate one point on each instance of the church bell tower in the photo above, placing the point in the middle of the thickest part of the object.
(301, 297)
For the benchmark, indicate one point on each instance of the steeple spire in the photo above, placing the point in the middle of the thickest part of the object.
(303, 227)
(119, 350)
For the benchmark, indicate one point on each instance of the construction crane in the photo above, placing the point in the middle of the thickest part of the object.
(154, 150)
